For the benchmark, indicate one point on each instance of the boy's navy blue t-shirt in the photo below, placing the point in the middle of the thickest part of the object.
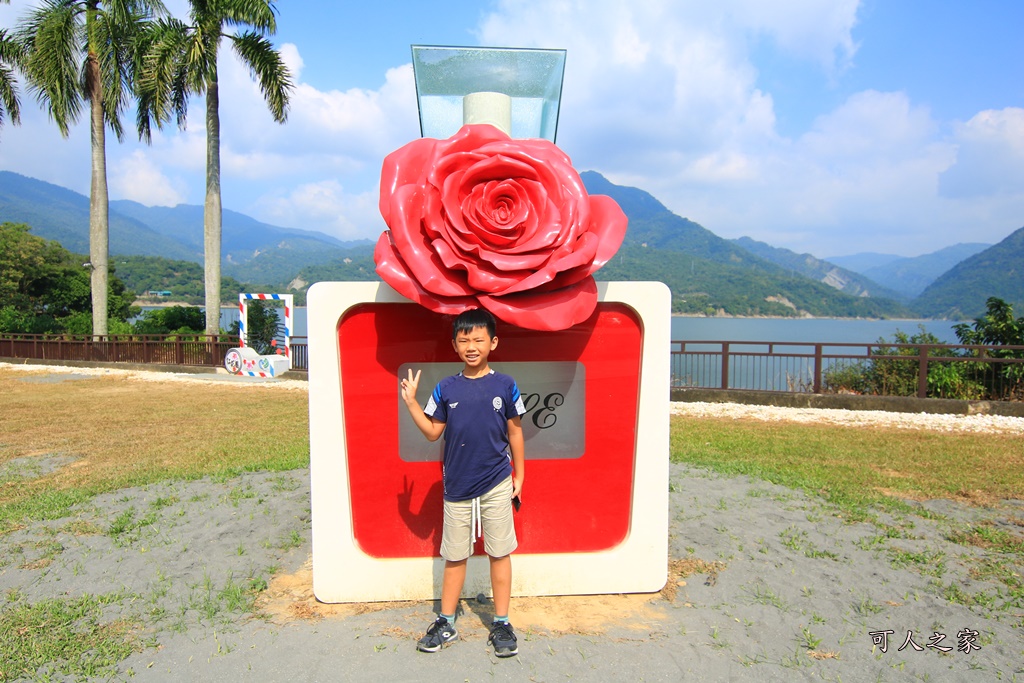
(476, 414)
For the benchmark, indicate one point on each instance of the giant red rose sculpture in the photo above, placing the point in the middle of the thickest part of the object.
(482, 220)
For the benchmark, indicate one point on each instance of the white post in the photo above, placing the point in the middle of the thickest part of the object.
(494, 108)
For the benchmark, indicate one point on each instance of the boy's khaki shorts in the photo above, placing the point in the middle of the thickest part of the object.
(496, 520)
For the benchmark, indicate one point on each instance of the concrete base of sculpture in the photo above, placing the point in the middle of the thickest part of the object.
(595, 505)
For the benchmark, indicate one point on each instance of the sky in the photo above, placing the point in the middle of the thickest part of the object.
(828, 127)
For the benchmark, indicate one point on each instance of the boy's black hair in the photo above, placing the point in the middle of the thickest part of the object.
(474, 317)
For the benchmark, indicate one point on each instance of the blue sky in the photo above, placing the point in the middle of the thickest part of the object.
(823, 126)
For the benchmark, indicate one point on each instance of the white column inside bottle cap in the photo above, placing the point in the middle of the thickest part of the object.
(494, 108)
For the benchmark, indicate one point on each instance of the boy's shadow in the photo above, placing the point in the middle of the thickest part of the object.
(428, 521)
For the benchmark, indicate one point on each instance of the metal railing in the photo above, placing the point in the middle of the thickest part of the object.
(943, 370)
(172, 349)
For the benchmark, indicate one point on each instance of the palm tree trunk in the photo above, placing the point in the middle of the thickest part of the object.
(212, 213)
(98, 201)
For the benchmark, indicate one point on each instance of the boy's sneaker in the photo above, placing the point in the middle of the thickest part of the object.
(503, 638)
(440, 632)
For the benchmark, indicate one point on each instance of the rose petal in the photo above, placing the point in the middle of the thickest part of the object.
(557, 310)
(393, 271)
(608, 223)
(480, 275)
(574, 256)
(417, 253)
(495, 212)
(405, 166)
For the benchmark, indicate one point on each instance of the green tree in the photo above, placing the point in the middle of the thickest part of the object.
(10, 57)
(43, 287)
(262, 327)
(998, 327)
(179, 319)
(84, 51)
(181, 61)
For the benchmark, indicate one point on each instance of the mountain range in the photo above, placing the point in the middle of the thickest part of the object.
(252, 251)
(707, 274)
(908, 276)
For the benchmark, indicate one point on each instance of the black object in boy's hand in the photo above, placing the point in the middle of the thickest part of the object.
(516, 503)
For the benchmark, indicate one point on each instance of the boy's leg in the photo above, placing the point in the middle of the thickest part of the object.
(499, 542)
(501, 584)
(455, 542)
(451, 585)
(503, 636)
(443, 631)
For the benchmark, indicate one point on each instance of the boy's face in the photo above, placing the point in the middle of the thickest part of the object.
(474, 346)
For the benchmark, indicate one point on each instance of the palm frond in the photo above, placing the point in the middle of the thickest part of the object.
(260, 15)
(53, 37)
(161, 80)
(267, 67)
(9, 96)
(10, 56)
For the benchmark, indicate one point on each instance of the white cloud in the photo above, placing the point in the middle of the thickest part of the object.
(819, 30)
(138, 178)
(870, 125)
(326, 206)
(990, 156)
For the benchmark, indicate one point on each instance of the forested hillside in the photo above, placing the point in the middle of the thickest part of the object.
(711, 275)
(961, 292)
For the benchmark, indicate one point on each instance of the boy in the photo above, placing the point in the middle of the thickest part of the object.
(478, 411)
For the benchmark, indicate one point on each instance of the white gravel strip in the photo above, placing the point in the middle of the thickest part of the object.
(221, 377)
(858, 418)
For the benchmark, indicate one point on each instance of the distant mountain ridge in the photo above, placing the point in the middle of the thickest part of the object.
(711, 275)
(809, 266)
(909, 275)
(252, 251)
(862, 261)
(60, 214)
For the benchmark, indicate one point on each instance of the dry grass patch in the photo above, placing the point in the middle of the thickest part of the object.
(124, 432)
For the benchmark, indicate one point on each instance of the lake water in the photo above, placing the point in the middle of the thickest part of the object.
(804, 329)
(744, 329)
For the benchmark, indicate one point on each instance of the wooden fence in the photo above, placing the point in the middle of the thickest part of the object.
(174, 349)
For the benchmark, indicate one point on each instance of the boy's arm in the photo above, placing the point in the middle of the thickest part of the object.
(431, 428)
(518, 448)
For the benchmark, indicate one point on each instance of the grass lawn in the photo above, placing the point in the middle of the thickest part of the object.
(856, 466)
(118, 432)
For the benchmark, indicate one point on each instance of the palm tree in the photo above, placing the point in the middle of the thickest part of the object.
(10, 56)
(181, 61)
(79, 50)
